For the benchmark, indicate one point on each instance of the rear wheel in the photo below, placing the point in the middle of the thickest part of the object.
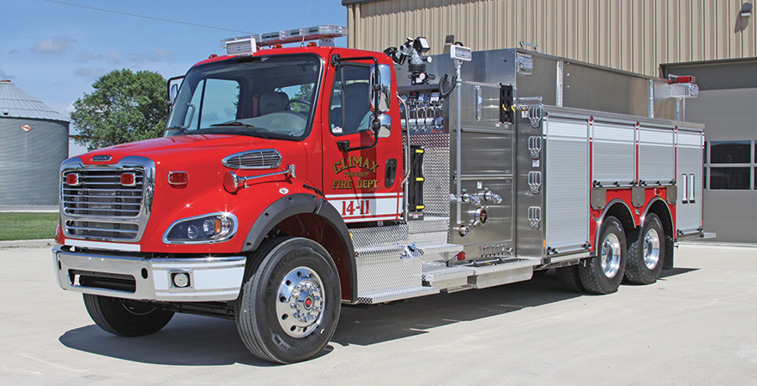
(126, 317)
(569, 279)
(289, 306)
(647, 253)
(603, 273)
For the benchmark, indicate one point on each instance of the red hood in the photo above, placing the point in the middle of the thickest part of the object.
(167, 147)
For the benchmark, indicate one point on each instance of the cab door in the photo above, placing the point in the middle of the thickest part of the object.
(366, 184)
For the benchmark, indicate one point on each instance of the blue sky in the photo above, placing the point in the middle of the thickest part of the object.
(55, 50)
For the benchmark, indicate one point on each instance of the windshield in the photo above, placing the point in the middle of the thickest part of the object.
(268, 97)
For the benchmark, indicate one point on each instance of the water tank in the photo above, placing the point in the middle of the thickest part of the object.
(33, 143)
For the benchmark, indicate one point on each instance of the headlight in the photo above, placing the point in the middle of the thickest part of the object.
(209, 228)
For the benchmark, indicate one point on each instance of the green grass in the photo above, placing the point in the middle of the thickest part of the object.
(27, 226)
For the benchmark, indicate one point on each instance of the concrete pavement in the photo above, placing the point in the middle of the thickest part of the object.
(696, 326)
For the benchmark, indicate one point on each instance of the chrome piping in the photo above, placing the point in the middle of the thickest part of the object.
(407, 158)
(458, 145)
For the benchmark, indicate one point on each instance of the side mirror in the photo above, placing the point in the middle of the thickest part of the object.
(173, 88)
(383, 124)
(380, 87)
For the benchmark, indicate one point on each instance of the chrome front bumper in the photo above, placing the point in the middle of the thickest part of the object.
(132, 277)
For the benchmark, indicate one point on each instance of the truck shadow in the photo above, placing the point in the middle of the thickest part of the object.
(202, 341)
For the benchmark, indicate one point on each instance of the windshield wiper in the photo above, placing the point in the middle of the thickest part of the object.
(233, 123)
(183, 130)
(241, 128)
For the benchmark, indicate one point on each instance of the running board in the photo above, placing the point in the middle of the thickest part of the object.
(390, 296)
(462, 277)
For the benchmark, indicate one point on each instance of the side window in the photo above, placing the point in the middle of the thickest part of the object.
(216, 101)
(730, 165)
(350, 108)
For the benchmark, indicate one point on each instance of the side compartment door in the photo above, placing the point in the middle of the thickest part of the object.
(689, 203)
(567, 183)
(364, 185)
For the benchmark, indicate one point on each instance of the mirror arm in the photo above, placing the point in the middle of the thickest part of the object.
(345, 147)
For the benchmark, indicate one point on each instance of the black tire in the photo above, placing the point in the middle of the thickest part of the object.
(126, 317)
(268, 325)
(569, 279)
(603, 273)
(646, 254)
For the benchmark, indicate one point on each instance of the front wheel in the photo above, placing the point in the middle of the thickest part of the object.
(289, 306)
(647, 253)
(126, 317)
(603, 273)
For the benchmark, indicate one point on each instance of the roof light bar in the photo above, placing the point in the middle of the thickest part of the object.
(325, 33)
(243, 45)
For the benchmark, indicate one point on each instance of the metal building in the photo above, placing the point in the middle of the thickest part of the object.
(726, 105)
(631, 35)
(33, 143)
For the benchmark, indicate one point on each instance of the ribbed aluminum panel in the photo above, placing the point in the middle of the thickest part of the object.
(689, 214)
(567, 184)
(656, 155)
(614, 153)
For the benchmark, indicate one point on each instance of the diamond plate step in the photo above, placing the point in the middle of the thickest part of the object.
(389, 296)
(444, 277)
(438, 251)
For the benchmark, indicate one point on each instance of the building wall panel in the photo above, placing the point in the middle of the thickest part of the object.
(632, 35)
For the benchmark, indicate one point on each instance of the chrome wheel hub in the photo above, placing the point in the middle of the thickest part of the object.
(651, 249)
(300, 302)
(610, 255)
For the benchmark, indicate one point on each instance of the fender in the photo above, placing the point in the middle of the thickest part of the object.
(300, 203)
(610, 205)
(649, 206)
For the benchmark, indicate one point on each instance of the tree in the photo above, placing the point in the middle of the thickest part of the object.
(125, 106)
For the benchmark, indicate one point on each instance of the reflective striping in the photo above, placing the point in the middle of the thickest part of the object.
(367, 207)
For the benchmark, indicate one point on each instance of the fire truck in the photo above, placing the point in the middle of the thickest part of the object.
(292, 181)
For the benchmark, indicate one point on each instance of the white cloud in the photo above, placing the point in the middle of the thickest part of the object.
(4, 75)
(162, 53)
(92, 73)
(84, 57)
(56, 45)
(114, 57)
(140, 58)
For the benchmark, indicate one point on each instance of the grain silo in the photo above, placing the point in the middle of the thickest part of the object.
(33, 143)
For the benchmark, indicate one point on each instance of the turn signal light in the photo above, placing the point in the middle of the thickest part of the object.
(128, 179)
(72, 179)
(460, 256)
(178, 178)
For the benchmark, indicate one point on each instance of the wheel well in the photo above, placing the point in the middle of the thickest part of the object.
(622, 213)
(661, 210)
(316, 228)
